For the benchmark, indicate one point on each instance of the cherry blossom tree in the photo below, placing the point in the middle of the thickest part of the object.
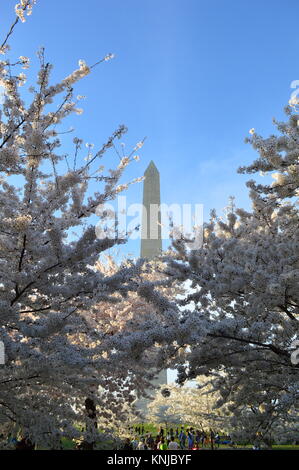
(238, 319)
(125, 321)
(245, 289)
(57, 373)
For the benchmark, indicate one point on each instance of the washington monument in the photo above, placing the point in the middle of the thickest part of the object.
(151, 241)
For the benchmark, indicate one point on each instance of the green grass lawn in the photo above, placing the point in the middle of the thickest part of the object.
(285, 447)
(68, 444)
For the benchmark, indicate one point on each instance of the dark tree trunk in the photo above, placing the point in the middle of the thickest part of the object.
(91, 422)
(91, 411)
(25, 444)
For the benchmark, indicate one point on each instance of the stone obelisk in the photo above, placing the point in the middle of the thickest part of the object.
(151, 242)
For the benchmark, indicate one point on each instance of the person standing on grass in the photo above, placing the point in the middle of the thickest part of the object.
(197, 437)
(150, 442)
(134, 443)
(156, 442)
(162, 444)
(142, 445)
(190, 440)
(173, 445)
(127, 445)
(182, 439)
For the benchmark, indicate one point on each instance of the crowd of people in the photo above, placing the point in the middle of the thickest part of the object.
(178, 439)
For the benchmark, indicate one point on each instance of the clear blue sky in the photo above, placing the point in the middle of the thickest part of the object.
(192, 75)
